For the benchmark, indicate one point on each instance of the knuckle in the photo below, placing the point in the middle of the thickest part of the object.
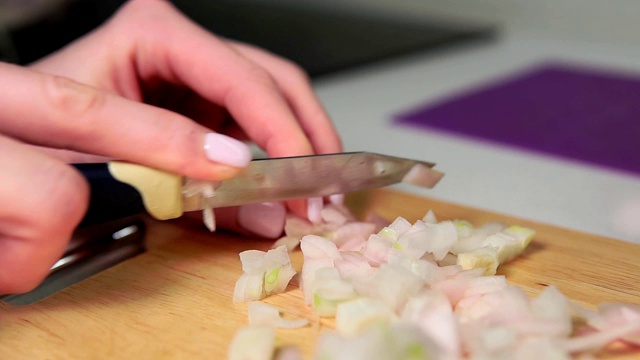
(72, 100)
(66, 194)
(261, 76)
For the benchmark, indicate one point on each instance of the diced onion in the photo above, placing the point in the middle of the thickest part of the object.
(261, 314)
(253, 343)
(265, 273)
(426, 289)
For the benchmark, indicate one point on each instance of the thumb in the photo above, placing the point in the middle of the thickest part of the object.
(43, 201)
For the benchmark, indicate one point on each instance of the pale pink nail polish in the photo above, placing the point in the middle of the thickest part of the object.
(314, 208)
(266, 219)
(226, 150)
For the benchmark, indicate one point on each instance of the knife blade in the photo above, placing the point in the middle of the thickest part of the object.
(120, 189)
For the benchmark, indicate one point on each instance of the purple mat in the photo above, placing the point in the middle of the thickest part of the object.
(576, 113)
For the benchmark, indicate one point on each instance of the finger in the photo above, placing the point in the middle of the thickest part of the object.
(183, 53)
(72, 116)
(264, 220)
(297, 89)
(175, 49)
(43, 201)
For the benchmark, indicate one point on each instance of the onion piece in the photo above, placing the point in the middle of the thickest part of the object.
(433, 238)
(376, 250)
(354, 316)
(523, 234)
(423, 176)
(288, 353)
(430, 217)
(267, 315)
(597, 340)
(485, 258)
(329, 290)
(289, 242)
(265, 273)
(394, 340)
(206, 190)
(253, 343)
(431, 311)
(613, 315)
(249, 288)
(507, 246)
(393, 284)
(551, 305)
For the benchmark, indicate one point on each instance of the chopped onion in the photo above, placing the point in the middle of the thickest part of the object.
(329, 290)
(405, 290)
(382, 341)
(485, 258)
(265, 273)
(422, 176)
(355, 316)
(432, 312)
(289, 242)
(206, 190)
(253, 343)
(249, 288)
(288, 353)
(267, 315)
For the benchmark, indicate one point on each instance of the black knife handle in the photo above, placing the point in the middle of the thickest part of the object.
(109, 199)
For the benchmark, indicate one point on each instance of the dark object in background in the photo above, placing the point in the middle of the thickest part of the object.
(42, 36)
(322, 40)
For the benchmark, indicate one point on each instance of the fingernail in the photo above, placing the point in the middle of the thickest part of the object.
(314, 208)
(226, 150)
(336, 199)
(266, 219)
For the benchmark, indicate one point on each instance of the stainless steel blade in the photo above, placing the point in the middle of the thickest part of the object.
(277, 179)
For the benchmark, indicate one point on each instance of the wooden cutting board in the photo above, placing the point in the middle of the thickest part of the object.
(175, 301)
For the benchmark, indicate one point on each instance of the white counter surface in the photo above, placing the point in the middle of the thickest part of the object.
(528, 185)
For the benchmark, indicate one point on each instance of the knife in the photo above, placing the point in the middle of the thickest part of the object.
(121, 189)
(108, 235)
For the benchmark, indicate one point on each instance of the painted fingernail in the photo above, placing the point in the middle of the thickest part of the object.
(266, 219)
(314, 208)
(336, 199)
(226, 150)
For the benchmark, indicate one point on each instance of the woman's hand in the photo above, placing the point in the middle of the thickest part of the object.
(153, 88)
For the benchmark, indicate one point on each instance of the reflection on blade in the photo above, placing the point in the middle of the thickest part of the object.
(280, 179)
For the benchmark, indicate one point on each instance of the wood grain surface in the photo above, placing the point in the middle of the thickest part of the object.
(175, 300)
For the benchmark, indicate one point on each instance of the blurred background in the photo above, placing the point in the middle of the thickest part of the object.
(322, 36)
(373, 61)
(31, 28)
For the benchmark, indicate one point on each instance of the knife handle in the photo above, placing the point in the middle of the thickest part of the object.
(120, 189)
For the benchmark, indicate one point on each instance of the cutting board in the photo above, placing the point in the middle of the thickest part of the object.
(175, 301)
